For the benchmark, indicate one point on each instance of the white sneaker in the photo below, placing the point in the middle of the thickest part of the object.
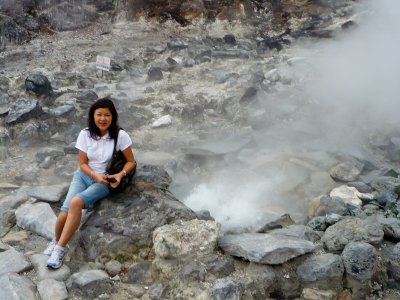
(57, 257)
(50, 247)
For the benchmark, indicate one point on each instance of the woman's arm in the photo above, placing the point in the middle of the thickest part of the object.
(128, 167)
(130, 161)
(83, 164)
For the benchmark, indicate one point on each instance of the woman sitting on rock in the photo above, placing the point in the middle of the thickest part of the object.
(90, 182)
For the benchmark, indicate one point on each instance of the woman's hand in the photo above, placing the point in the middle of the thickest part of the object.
(99, 178)
(117, 179)
(83, 164)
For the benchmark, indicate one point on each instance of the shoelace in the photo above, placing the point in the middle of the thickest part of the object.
(57, 254)
(49, 249)
(52, 244)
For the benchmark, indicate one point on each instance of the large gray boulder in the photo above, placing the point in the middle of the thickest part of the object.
(90, 283)
(324, 271)
(51, 289)
(123, 224)
(265, 248)
(347, 230)
(38, 218)
(345, 171)
(194, 237)
(13, 261)
(391, 257)
(257, 282)
(38, 84)
(390, 226)
(360, 262)
(16, 287)
(325, 205)
(22, 110)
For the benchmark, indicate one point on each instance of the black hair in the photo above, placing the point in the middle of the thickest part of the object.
(114, 127)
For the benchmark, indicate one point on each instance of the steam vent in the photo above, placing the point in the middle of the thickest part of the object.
(266, 134)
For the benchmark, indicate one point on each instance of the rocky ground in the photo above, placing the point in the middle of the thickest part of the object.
(309, 219)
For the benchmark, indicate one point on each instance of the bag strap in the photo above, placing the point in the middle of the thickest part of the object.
(115, 142)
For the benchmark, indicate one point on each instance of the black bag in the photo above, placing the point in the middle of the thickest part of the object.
(115, 166)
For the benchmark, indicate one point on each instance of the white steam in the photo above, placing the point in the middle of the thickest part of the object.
(233, 199)
(356, 75)
(346, 89)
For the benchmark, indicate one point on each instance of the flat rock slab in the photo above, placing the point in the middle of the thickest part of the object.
(13, 261)
(50, 289)
(52, 193)
(82, 279)
(39, 261)
(91, 283)
(299, 231)
(265, 248)
(15, 287)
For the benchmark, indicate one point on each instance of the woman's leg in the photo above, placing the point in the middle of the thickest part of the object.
(85, 199)
(72, 220)
(62, 217)
(70, 216)
(71, 224)
(78, 184)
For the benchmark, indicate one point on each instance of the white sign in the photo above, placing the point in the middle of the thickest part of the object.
(103, 63)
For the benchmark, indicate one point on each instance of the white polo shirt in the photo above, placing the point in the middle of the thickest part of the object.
(99, 152)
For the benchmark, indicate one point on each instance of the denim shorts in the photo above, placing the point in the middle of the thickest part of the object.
(85, 188)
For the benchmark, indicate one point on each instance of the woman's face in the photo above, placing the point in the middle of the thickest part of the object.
(102, 119)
